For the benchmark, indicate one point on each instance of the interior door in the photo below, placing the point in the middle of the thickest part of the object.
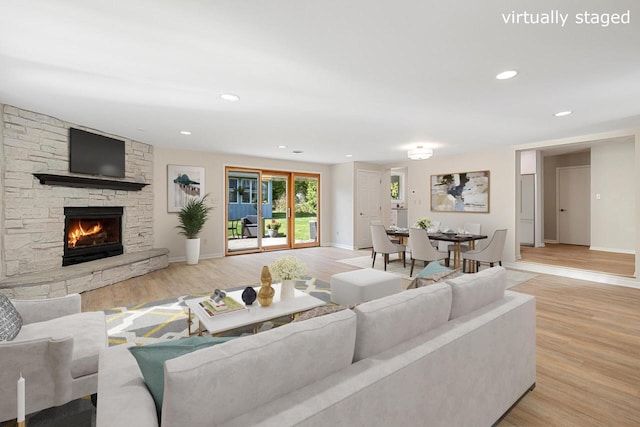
(304, 218)
(368, 205)
(574, 208)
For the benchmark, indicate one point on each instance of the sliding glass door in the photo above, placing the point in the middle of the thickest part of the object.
(244, 222)
(275, 199)
(306, 202)
(268, 210)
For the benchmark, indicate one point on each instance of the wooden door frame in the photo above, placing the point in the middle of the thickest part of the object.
(290, 176)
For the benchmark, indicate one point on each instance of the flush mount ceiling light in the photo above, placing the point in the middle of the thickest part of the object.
(230, 97)
(348, 155)
(185, 132)
(563, 113)
(505, 75)
(282, 146)
(420, 153)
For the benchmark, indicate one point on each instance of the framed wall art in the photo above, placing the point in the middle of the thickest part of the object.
(460, 192)
(184, 183)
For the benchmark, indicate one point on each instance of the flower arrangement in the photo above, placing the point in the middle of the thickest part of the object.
(287, 268)
(273, 225)
(424, 223)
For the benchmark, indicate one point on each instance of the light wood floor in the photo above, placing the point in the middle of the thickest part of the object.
(588, 334)
(581, 257)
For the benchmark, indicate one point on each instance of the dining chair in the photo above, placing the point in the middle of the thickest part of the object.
(383, 245)
(435, 227)
(422, 248)
(490, 254)
(379, 222)
(471, 228)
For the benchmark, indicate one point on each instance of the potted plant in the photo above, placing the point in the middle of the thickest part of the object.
(287, 270)
(424, 223)
(192, 218)
(273, 227)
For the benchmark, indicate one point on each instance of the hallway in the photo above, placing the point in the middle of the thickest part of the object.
(580, 257)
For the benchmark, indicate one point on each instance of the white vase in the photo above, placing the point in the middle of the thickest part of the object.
(193, 250)
(286, 289)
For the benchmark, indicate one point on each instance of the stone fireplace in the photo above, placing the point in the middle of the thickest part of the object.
(91, 233)
(42, 202)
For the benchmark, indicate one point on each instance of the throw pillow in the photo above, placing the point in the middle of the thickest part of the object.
(320, 311)
(151, 360)
(10, 319)
(433, 267)
(419, 282)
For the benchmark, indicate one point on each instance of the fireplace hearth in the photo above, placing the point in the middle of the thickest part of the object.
(92, 233)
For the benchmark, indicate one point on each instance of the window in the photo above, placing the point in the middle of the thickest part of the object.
(233, 190)
(397, 187)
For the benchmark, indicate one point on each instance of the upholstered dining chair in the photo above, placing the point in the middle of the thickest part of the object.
(471, 228)
(490, 254)
(422, 249)
(383, 245)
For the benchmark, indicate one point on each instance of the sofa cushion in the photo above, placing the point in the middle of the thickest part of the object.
(472, 291)
(89, 337)
(320, 311)
(151, 360)
(419, 282)
(10, 319)
(222, 379)
(434, 267)
(386, 322)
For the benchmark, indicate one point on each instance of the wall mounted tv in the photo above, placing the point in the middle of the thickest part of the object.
(95, 154)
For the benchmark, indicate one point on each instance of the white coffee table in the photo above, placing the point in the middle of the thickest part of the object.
(255, 314)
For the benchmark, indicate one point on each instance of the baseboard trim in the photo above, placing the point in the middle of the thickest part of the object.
(614, 250)
(206, 256)
(341, 246)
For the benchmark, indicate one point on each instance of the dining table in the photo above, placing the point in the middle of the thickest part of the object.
(455, 238)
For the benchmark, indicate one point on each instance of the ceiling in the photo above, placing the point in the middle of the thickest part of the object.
(328, 78)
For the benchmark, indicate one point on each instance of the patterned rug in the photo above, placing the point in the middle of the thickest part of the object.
(163, 320)
(514, 277)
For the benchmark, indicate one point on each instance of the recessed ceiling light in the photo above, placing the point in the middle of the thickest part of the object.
(282, 146)
(185, 132)
(297, 152)
(140, 129)
(229, 97)
(509, 74)
(563, 113)
(348, 155)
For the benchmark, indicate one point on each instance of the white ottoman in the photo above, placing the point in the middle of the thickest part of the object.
(354, 287)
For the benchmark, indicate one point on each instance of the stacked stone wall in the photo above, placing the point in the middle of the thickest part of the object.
(32, 222)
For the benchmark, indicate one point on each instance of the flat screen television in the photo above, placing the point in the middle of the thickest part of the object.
(95, 154)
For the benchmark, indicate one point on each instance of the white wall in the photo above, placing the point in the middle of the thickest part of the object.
(612, 216)
(213, 235)
(502, 197)
(343, 205)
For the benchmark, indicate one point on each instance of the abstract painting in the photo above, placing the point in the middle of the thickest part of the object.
(460, 192)
(185, 183)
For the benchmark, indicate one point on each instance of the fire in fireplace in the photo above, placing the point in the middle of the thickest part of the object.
(92, 233)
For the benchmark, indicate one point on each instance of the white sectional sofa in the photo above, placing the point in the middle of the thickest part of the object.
(451, 354)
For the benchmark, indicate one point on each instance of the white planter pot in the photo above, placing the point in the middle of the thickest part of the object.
(286, 289)
(193, 250)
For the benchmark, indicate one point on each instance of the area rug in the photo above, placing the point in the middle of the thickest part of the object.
(163, 320)
(514, 277)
